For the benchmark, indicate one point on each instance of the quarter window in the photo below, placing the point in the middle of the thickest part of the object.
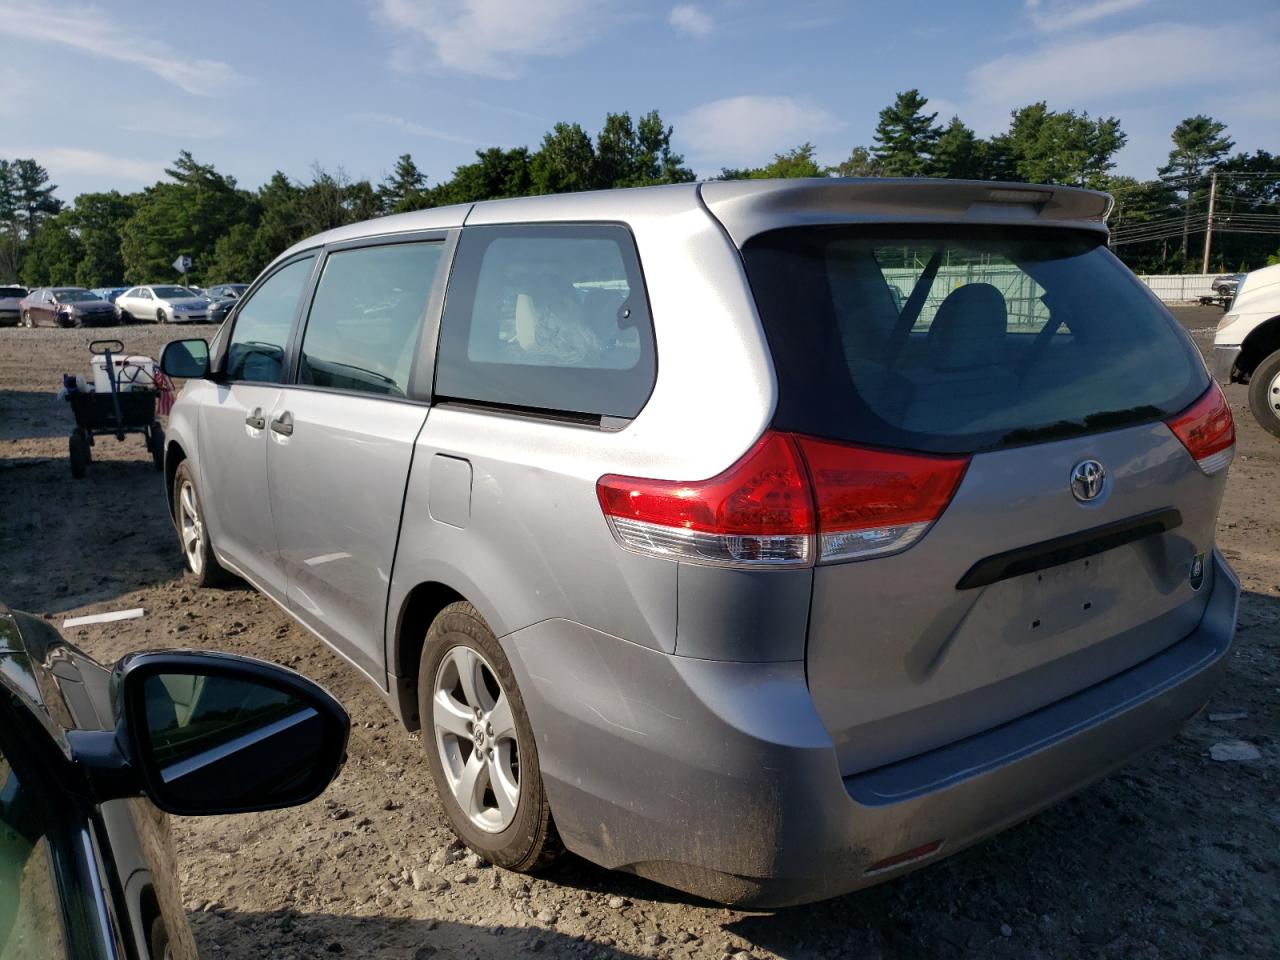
(263, 324)
(548, 316)
(366, 317)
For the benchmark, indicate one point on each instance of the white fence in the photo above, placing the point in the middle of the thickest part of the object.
(1180, 287)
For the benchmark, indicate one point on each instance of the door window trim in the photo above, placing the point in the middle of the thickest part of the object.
(422, 369)
(224, 342)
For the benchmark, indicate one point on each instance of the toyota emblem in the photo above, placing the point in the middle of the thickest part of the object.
(1087, 478)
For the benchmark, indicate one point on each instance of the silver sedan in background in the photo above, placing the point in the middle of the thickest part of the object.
(163, 303)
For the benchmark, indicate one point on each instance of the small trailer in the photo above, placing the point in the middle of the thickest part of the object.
(128, 405)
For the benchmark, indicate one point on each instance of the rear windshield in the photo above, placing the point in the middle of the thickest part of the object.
(959, 339)
(12, 292)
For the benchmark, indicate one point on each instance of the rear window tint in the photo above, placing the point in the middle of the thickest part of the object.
(549, 317)
(958, 339)
(12, 292)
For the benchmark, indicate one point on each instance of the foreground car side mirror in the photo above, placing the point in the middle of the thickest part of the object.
(213, 733)
(188, 359)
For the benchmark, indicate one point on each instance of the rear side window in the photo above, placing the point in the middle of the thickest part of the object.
(959, 339)
(550, 317)
(366, 318)
(256, 349)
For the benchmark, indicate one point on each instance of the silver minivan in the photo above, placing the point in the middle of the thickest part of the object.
(767, 539)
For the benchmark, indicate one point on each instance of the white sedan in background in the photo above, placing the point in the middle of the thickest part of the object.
(163, 303)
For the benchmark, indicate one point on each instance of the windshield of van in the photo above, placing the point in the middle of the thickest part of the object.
(963, 338)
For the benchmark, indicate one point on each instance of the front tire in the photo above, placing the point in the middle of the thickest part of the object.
(26, 319)
(161, 317)
(193, 535)
(480, 745)
(1264, 393)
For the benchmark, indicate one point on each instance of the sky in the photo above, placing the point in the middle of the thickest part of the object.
(104, 95)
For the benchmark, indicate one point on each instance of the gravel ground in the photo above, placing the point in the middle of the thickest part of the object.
(1176, 855)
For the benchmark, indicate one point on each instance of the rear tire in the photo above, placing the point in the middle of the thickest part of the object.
(193, 535)
(80, 455)
(463, 662)
(1264, 393)
(155, 443)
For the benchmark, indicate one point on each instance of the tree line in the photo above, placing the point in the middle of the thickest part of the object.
(106, 238)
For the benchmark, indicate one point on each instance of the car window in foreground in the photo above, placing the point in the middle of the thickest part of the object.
(30, 911)
(256, 349)
(363, 329)
(958, 339)
(548, 316)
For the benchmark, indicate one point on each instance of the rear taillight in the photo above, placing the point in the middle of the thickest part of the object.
(789, 502)
(1207, 430)
(759, 512)
(873, 502)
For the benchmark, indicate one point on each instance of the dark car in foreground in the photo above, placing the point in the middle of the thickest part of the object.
(66, 307)
(91, 759)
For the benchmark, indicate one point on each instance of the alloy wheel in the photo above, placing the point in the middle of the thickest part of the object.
(191, 527)
(475, 735)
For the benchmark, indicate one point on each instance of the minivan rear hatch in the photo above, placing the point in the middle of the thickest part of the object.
(1073, 546)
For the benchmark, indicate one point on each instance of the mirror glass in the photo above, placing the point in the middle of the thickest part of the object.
(187, 359)
(219, 743)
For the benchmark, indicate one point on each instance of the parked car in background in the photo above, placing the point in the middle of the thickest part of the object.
(91, 759)
(163, 303)
(66, 307)
(1225, 285)
(686, 547)
(1246, 345)
(11, 304)
(224, 297)
(108, 294)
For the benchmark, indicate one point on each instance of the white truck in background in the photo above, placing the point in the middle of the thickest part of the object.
(1246, 346)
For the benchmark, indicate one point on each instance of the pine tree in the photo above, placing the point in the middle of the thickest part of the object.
(906, 136)
(1199, 143)
(405, 189)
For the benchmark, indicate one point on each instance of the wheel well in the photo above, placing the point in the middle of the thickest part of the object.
(424, 602)
(1261, 342)
(173, 455)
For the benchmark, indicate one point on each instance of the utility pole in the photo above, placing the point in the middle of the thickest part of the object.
(1208, 227)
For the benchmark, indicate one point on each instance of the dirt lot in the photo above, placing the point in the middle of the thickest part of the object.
(1177, 855)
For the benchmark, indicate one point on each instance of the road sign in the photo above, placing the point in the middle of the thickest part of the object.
(182, 264)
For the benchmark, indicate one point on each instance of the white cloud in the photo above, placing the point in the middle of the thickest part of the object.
(409, 126)
(64, 160)
(1056, 15)
(690, 20)
(1166, 56)
(492, 37)
(89, 31)
(746, 130)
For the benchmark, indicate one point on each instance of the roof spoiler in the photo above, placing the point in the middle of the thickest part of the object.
(750, 207)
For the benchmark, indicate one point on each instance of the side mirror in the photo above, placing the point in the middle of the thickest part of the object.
(212, 733)
(188, 359)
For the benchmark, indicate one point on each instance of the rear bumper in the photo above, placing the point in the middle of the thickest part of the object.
(718, 778)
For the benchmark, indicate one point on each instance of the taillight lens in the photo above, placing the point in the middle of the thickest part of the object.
(789, 502)
(874, 502)
(1207, 430)
(759, 512)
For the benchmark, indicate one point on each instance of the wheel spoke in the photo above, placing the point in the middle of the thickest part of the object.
(188, 501)
(189, 537)
(505, 789)
(475, 776)
(504, 725)
(468, 667)
(451, 716)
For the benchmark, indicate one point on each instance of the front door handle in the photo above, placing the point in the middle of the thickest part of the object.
(283, 424)
(256, 419)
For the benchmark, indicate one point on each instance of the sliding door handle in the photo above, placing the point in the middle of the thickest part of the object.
(283, 424)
